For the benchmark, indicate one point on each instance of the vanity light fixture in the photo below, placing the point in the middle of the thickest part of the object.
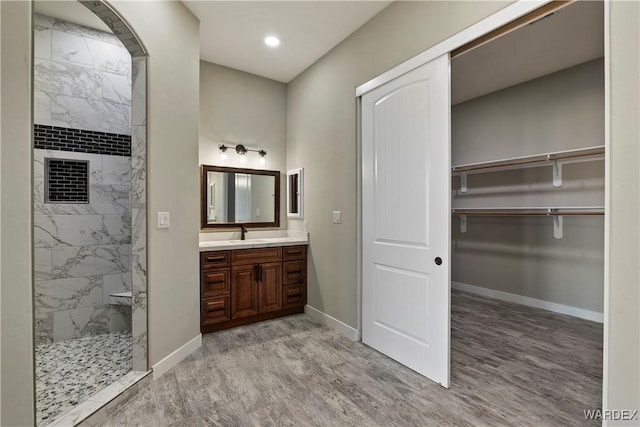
(272, 41)
(242, 151)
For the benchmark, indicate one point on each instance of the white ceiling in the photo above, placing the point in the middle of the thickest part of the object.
(232, 32)
(71, 11)
(571, 36)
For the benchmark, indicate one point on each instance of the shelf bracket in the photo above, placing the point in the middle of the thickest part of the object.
(557, 174)
(557, 226)
(463, 182)
(463, 223)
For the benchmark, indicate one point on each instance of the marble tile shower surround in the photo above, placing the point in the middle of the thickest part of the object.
(47, 107)
(82, 251)
(82, 80)
(82, 77)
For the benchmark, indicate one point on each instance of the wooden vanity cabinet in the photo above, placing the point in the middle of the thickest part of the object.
(215, 283)
(243, 286)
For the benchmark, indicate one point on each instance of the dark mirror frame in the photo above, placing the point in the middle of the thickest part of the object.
(205, 169)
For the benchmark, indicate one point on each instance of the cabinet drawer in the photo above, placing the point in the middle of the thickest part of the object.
(215, 310)
(292, 296)
(214, 282)
(256, 256)
(293, 272)
(214, 259)
(293, 252)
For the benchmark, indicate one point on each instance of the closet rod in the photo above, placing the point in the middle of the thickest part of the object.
(589, 211)
(536, 158)
(539, 13)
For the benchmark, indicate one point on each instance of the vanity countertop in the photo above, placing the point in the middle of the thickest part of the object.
(255, 239)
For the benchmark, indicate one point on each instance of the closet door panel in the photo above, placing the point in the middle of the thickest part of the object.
(406, 219)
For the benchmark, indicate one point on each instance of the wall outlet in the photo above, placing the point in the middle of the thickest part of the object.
(163, 219)
(336, 217)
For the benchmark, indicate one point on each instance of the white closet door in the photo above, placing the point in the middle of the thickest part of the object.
(406, 219)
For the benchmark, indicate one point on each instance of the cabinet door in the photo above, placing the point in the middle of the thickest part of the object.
(244, 292)
(270, 287)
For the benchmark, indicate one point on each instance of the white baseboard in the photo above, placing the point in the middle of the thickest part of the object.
(332, 322)
(176, 357)
(531, 302)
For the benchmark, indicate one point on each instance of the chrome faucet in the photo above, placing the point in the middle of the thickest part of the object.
(243, 231)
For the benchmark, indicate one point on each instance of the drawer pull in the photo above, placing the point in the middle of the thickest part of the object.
(289, 273)
(294, 251)
(216, 258)
(215, 282)
(216, 306)
(296, 292)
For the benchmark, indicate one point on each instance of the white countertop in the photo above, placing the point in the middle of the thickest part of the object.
(223, 241)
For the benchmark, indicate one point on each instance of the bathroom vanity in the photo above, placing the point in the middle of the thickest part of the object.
(242, 286)
(262, 277)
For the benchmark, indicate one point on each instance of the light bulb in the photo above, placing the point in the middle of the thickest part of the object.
(263, 160)
(224, 156)
(271, 41)
(243, 158)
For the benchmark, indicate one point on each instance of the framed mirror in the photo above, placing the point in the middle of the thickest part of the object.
(234, 196)
(295, 193)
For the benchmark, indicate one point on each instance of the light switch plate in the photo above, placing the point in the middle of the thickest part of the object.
(163, 219)
(336, 217)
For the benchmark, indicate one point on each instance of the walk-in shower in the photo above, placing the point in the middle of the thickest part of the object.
(82, 189)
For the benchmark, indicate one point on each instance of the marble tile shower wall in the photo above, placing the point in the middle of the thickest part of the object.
(82, 77)
(82, 80)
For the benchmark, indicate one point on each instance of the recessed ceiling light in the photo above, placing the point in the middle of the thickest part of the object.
(271, 41)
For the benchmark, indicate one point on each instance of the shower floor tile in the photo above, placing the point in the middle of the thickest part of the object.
(69, 372)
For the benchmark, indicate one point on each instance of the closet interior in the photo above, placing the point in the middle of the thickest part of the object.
(528, 182)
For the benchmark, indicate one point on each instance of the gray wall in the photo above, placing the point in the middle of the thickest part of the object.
(82, 80)
(561, 111)
(242, 108)
(321, 133)
(172, 170)
(17, 356)
(622, 331)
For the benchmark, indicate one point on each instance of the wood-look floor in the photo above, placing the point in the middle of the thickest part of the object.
(511, 365)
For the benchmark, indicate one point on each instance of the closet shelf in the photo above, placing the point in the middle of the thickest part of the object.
(530, 211)
(555, 159)
(557, 213)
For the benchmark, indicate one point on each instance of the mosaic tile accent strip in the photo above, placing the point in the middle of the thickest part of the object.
(67, 181)
(81, 141)
(70, 372)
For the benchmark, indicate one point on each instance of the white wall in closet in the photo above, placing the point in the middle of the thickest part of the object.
(519, 255)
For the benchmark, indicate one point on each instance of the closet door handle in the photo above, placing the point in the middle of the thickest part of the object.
(438, 260)
(256, 269)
